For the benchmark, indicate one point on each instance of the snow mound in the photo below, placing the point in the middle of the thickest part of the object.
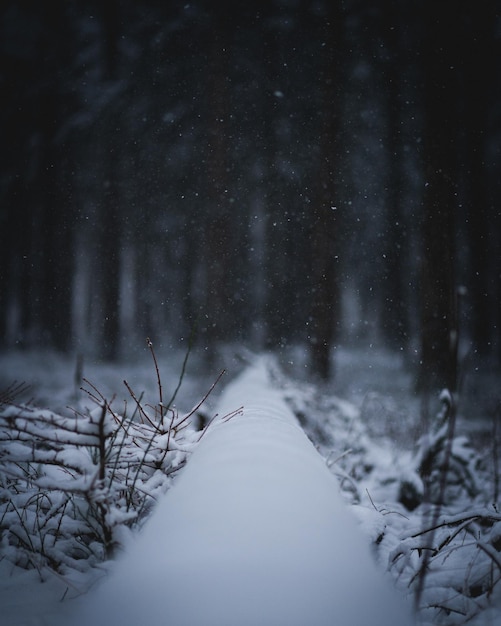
(253, 533)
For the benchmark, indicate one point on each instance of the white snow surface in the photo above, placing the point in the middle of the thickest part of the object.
(253, 533)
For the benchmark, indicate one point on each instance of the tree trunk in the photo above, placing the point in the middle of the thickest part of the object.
(478, 50)
(395, 320)
(438, 359)
(217, 242)
(326, 211)
(110, 234)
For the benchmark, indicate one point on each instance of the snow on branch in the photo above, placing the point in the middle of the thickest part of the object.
(70, 485)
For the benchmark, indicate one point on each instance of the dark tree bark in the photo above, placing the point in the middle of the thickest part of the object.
(478, 52)
(109, 268)
(395, 319)
(38, 269)
(110, 224)
(20, 75)
(218, 244)
(438, 358)
(275, 260)
(55, 191)
(56, 252)
(326, 210)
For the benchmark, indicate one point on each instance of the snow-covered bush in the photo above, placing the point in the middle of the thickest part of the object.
(450, 555)
(447, 465)
(453, 566)
(70, 486)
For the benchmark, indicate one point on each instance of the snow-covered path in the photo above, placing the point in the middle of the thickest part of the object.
(253, 533)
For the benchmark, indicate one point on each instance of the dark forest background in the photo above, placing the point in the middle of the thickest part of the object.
(269, 173)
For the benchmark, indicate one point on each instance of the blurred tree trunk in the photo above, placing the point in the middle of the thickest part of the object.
(438, 357)
(395, 319)
(326, 211)
(274, 232)
(37, 269)
(16, 216)
(217, 242)
(478, 53)
(110, 224)
(58, 221)
(57, 250)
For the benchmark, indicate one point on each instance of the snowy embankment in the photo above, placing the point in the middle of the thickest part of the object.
(253, 532)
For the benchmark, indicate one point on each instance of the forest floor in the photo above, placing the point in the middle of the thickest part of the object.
(371, 387)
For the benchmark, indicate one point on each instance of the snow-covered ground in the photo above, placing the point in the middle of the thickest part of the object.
(257, 530)
(253, 532)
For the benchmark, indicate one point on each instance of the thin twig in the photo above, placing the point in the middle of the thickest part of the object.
(451, 423)
(139, 405)
(183, 368)
(199, 404)
(159, 381)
